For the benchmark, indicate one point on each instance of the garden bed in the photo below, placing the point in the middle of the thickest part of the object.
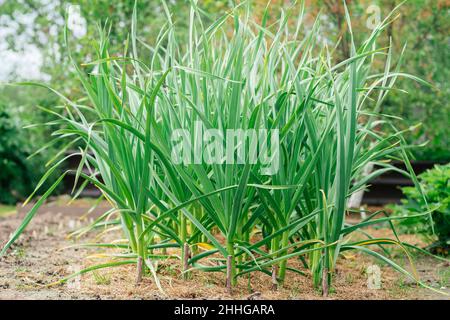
(37, 259)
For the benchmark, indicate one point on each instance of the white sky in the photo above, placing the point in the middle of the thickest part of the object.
(25, 60)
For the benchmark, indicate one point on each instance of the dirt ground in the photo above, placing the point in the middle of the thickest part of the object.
(42, 256)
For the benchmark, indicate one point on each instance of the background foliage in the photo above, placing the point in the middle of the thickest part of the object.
(19, 172)
(436, 185)
(29, 25)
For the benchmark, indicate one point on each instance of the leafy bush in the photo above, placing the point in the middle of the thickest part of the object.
(14, 177)
(436, 186)
(18, 174)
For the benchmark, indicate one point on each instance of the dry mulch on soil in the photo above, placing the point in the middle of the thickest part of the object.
(41, 257)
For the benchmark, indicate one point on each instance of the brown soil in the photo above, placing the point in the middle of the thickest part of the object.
(41, 257)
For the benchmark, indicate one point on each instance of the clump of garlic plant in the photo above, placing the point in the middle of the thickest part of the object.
(233, 74)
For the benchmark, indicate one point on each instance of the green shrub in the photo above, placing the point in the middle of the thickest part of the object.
(14, 177)
(436, 185)
(18, 173)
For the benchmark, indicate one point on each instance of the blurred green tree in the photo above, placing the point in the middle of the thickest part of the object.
(33, 29)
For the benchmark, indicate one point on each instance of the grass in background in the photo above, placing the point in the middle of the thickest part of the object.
(6, 210)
